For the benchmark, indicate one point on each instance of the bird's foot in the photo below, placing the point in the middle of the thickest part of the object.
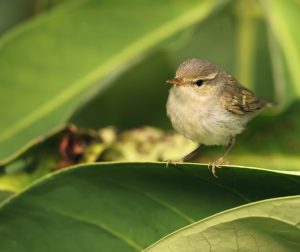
(216, 164)
(172, 162)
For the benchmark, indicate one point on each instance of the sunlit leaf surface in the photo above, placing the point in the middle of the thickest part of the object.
(127, 206)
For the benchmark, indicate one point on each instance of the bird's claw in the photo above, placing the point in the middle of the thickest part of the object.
(216, 164)
(172, 162)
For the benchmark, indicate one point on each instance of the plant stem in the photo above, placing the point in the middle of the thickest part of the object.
(246, 31)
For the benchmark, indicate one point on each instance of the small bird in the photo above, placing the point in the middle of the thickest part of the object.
(209, 106)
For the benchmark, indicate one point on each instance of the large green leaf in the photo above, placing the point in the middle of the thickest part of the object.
(47, 64)
(270, 225)
(127, 206)
(14, 11)
(5, 194)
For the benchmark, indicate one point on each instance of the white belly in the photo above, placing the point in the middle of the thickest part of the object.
(202, 118)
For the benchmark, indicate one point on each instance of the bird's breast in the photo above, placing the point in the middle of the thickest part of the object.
(201, 118)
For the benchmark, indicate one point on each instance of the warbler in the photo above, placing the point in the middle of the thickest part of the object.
(209, 106)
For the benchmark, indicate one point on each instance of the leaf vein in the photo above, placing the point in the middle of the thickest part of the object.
(157, 200)
(102, 226)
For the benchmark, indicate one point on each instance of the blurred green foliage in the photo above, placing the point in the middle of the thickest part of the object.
(89, 70)
(74, 50)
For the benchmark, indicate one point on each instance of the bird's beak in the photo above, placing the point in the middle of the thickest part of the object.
(175, 81)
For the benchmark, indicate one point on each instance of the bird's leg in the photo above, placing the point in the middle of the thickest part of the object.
(192, 154)
(186, 157)
(220, 160)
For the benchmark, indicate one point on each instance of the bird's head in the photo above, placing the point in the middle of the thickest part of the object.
(195, 73)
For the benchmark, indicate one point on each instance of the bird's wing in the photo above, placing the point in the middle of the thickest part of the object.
(240, 100)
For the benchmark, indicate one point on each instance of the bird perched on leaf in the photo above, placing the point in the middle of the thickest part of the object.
(209, 106)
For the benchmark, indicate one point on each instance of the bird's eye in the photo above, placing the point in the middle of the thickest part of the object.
(199, 82)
